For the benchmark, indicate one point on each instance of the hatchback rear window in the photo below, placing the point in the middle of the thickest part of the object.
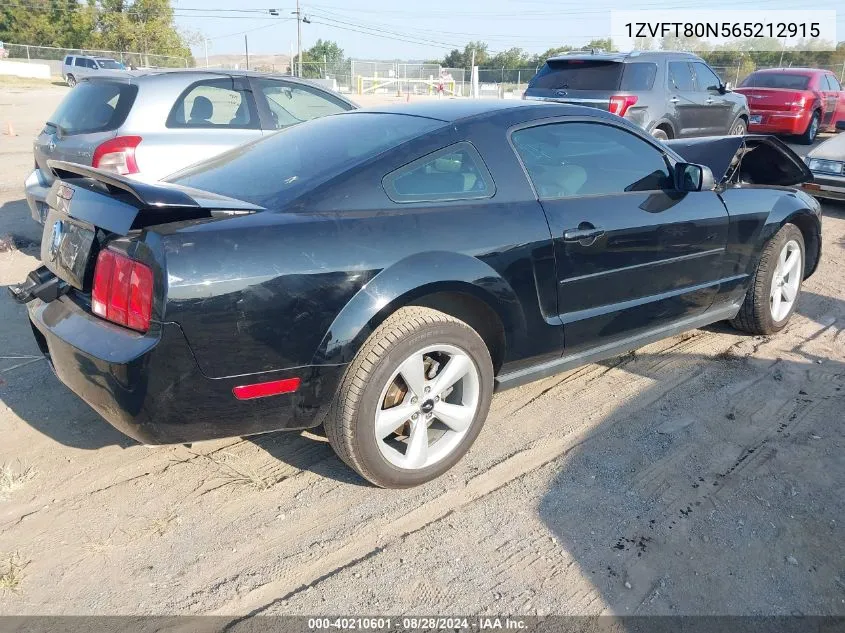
(273, 171)
(790, 81)
(578, 74)
(94, 106)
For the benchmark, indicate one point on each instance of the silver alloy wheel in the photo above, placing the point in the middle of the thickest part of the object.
(659, 134)
(814, 127)
(738, 128)
(786, 281)
(440, 387)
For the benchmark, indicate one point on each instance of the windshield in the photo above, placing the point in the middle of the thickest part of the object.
(109, 63)
(776, 80)
(94, 106)
(272, 171)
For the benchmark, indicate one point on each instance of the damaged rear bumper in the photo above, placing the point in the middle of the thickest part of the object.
(150, 387)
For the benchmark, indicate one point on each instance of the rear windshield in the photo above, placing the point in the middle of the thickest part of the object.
(272, 171)
(776, 80)
(578, 74)
(109, 63)
(94, 106)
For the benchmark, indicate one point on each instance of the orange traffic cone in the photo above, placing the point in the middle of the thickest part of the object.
(9, 129)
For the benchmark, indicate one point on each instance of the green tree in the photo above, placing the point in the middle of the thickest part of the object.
(323, 58)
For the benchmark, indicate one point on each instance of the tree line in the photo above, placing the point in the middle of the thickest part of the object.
(145, 26)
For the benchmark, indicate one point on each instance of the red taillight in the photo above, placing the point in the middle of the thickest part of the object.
(262, 389)
(117, 155)
(619, 104)
(123, 290)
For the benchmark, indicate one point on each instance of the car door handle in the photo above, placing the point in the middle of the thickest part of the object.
(674, 100)
(584, 235)
(709, 100)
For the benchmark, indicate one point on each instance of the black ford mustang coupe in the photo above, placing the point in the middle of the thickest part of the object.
(383, 272)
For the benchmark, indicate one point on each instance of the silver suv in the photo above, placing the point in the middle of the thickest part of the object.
(152, 124)
(76, 67)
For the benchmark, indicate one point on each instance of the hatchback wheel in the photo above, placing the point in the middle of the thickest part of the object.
(413, 400)
(71, 80)
(774, 289)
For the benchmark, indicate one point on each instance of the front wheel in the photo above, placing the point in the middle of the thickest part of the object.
(413, 400)
(774, 289)
(71, 80)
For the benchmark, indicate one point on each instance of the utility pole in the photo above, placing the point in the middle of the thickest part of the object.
(246, 49)
(298, 39)
(206, 51)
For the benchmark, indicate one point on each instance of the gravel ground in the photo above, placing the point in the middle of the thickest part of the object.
(700, 475)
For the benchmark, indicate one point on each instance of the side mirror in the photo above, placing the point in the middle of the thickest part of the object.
(727, 87)
(840, 125)
(692, 177)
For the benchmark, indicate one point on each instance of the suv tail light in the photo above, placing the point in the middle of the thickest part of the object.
(619, 104)
(123, 290)
(117, 155)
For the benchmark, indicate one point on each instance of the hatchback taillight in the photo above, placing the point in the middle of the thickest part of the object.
(117, 155)
(619, 104)
(123, 290)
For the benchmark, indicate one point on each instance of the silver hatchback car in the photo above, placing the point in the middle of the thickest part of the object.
(149, 124)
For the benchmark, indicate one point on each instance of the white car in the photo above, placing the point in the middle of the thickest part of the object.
(76, 67)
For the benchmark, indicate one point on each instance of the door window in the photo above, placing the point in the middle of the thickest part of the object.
(456, 172)
(680, 77)
(707, 79)
(292, 103)
(834, 83)
(79, 61)
(214, 103)
(583, 159)
(68, 61)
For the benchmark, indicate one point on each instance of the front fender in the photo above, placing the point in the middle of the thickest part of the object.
(404, 282)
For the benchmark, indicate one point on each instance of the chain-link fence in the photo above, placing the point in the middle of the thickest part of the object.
(53, 57)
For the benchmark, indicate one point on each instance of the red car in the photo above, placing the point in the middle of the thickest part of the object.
(793, 101)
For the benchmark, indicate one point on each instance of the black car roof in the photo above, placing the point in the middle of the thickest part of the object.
(624, 57)
(450, 110)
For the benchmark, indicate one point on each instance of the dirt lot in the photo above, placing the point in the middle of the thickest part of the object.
(703, 474)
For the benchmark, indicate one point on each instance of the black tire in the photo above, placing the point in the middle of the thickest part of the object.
(755, 315)
(350, 426)
(739, 128)
(71, 80)
(812, 130)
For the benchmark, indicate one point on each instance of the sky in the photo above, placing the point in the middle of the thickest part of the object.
(390, 29)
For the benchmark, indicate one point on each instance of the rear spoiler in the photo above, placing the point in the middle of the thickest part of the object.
(148, 195)
(761, 159)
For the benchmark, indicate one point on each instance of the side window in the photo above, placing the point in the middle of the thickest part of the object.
(92, 64)
(834, 83)
(638, 76)
(680, 77)
(587, 159)
(69, 60)
(214, 103)
(707, 79)
(291, 103)
(456, 172)
(79, 62)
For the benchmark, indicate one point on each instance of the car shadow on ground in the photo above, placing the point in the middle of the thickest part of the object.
(15, 220)
(725, 498)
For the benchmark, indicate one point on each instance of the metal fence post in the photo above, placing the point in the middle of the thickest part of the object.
(27, 53)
